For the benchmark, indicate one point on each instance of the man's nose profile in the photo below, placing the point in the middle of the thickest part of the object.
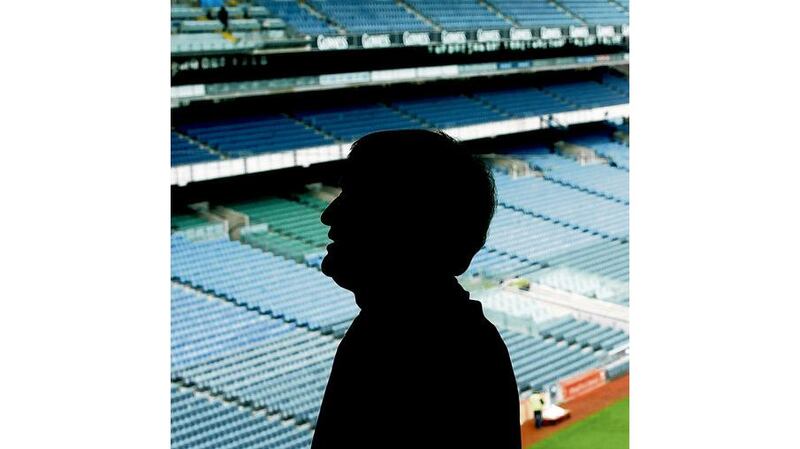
(414, 208)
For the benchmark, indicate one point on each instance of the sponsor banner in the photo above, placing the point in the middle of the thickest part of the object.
(332, 42)
(604, 31)
(489, 36)
(582, 384)
(578, 31)
(376, 40)
(416, 39)
(550, 33)
(521, 34)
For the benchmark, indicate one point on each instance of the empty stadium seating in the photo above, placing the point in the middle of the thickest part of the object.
(596, 178)
(297, 17)
(563, 205)
(618, 154)
(264, 282)
(531, 237)
(255, 135)
(584, 333)
(370, 16)
(350, 123)
(587, 94)
(294, 219)
(597, 12)
(459, 14)
(524, 102)
(249, 357)
(535, 13)
(449, 111)
(539, 362)
(247, 136)
(201, 422)
(184, 151)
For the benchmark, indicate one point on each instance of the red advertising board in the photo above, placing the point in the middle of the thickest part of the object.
(582, 383)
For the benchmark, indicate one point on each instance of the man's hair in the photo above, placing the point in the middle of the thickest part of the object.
(450, 190)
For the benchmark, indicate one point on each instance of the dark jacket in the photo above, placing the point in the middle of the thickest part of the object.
(430, 373)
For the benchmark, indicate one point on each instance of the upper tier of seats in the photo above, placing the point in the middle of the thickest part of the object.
(459, 14)
(200, 422)
(299, 18)
(597, 12)
(256, 135)
(184, 151)
(351, 122)
(333, 17)
(449, 111)
(310, 127)
(535, 13)
(370, 16)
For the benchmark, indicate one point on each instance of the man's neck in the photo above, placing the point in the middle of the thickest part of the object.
(438, 290)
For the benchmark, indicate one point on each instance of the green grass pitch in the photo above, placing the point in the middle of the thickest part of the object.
(606, 429)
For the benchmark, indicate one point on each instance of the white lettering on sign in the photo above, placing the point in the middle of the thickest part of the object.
(578, 32)
(604, 31)
(488, 35)
(410, 39)
(331, 42)
(550, 33)
(521, 34)
(375, 41)
(454, 37)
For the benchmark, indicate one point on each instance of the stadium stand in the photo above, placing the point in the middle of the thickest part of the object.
(594, 178)
(255, 324)
(248, 357)
(618, 154)
(184, 151)
(349, 123)
(449, 111)
(534, 13)
(563, 205)
(596, 12)
(262, 281)
(311, 127)
(201, 422)
(298, 18)
(539, 362)
(584, 333)
(524, 102)
(370, 16)
(186, 221)
(255, 135)
(586, 94)
(533, 238)
(492, 263)
(293, 219)
(455, 15)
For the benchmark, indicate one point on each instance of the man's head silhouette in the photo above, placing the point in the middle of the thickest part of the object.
(413, 202)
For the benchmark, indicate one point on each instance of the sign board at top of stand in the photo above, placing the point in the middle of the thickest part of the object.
(520, 34)
(578, 31)
(550, 33)
(332, 42)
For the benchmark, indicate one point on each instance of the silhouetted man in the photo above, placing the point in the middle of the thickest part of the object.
(420, 366)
